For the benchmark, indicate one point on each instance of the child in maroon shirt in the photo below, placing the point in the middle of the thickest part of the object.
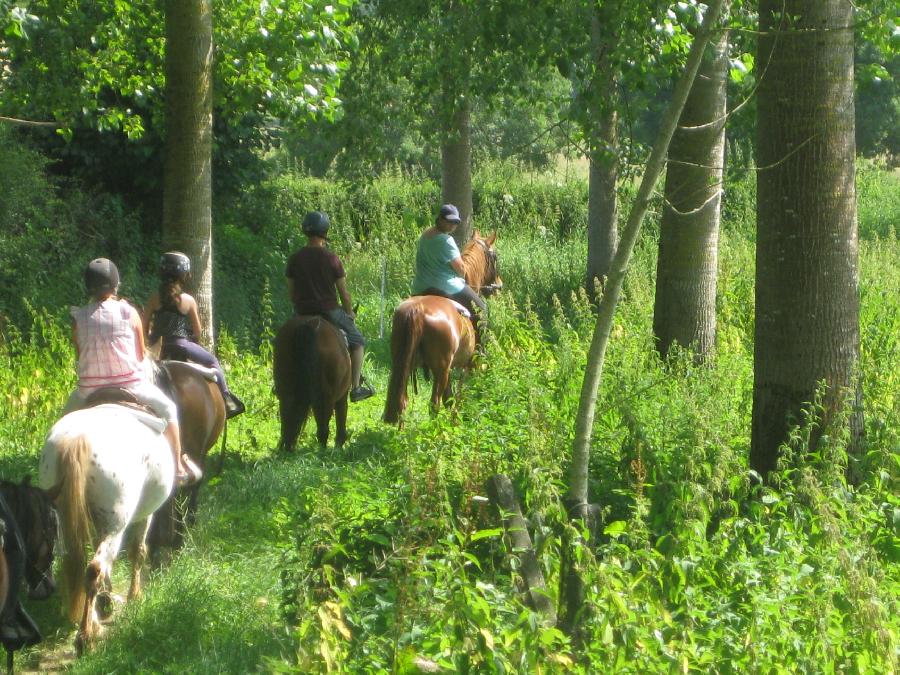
(315, 279)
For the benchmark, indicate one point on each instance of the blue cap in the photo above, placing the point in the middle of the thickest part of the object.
(450, 213)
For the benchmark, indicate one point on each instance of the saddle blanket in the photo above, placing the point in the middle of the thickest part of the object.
(157, 424)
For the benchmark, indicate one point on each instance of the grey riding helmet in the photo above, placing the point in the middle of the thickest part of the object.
(101, 275)
(316, 223)
(174, 265)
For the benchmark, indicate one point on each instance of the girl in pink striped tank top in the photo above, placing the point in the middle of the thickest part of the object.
(109, 344)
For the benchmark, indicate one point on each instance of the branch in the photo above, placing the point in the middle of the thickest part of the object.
(29, 123)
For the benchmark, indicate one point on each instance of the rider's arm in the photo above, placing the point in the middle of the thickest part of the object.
(458, 267)
(193, 315)
(147, 313)
(138, 328)
(75, 340)
(346, 302)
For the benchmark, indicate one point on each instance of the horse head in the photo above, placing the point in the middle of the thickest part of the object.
(38, 525)
(482, 264)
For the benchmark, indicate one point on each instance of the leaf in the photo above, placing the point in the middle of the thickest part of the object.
(615, 528)
(485, 534)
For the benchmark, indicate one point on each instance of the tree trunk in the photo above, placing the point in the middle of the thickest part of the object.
(602, 204)
(456, 171)
(584, 423)
(187, 183)
(577, 498)
(807, 282)
(685, 305)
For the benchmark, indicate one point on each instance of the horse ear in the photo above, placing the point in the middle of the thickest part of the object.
(26, 481)
(476, 234)
(492, 239)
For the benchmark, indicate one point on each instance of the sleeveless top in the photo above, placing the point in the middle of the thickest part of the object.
(433, 256)
(107, 351)
(170, 323)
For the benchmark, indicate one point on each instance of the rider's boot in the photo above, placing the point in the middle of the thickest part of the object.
(233, 405)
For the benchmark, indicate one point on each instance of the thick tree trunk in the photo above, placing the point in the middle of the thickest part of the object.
(456, 171)
(685, 306)
(603, 229)
(187, 184)
(807, 282)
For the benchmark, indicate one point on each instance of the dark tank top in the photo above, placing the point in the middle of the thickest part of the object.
(170, 323)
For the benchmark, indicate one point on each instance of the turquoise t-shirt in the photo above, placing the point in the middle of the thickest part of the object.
(433, 256)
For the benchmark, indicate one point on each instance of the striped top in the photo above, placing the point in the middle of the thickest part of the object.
(107, 350)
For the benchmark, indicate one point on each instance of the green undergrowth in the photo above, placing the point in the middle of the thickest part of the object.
(384, 556)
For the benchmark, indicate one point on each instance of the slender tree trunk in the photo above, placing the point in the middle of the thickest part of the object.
(685, 306)
(602, 204)
(456, 171)
(807, 282)
(577, 498)
(187, 183)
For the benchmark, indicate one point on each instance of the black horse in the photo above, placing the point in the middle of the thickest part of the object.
(30, 531)
(312, 370)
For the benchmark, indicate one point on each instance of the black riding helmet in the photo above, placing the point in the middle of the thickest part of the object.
(174, 265)
(316, 223)
(101, 275)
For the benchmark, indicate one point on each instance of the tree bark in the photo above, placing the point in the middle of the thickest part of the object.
(187, 183)
(584, 423)
(456, 171)
(577, 498)
(603, 229)
(503, 495)
(807, 281)
(685, 306)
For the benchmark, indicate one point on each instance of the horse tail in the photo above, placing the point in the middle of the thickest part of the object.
(74, 456)
(307, 360)
(407, 329)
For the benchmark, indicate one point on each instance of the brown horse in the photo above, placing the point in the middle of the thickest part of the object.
(430, 331)
(311, 370)
(201, 416)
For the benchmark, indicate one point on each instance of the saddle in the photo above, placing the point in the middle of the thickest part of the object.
(340, 330)
(457, 305)
(124, 399)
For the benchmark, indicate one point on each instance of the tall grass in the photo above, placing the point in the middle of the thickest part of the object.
(382, 557)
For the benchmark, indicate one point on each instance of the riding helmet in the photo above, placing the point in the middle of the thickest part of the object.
(174, 265)
(316, 223)
(101, 275)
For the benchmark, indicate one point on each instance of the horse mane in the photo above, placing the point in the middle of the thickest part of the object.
(475, 260)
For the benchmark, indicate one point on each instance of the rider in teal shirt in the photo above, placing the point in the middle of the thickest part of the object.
(439, 266)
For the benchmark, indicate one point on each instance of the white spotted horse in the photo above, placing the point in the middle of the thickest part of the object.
(112, 469)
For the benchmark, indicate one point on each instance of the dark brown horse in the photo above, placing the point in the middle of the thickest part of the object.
(430, 331)
(312, 370)
(201, 417)
(29, 533)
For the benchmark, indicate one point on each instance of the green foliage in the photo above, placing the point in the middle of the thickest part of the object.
(384, 556)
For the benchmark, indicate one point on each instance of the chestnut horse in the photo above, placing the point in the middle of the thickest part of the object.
(201, 417)
(311, 370)
(431, 331)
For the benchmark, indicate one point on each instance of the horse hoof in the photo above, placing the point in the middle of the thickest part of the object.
(106, 604)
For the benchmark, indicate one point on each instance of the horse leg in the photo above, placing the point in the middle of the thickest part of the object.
(98, 570)
(137, 554)
(322, 413)
(441, 375)
(340, 421)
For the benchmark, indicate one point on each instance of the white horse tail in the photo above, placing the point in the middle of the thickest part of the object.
(73, 456)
